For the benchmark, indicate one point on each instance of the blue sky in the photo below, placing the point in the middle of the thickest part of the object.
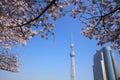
(43, 61)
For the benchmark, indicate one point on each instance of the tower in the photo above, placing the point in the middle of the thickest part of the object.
(105, 66)
(72, 57)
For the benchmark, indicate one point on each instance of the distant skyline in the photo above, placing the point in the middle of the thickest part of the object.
(43, 61)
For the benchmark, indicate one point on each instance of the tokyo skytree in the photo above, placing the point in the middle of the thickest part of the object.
(72, 57)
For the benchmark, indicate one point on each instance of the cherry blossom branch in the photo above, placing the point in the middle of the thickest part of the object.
(105, 14)
(47, 7)
(111, 12)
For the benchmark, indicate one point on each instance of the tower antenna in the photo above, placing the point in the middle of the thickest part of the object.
(71, 36)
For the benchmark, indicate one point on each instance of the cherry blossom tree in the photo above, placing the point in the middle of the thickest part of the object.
(9, 62)
(102, 20)
(20, 20)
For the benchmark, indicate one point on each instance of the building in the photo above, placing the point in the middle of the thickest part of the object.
(105, 66)
(72, 57)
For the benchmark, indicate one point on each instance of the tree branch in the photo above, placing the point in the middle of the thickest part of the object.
(105, 14)
(47, 7)
(111, 12)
